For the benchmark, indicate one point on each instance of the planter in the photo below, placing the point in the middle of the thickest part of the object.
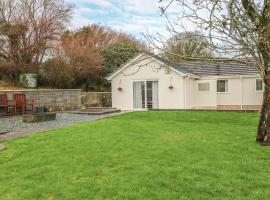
(120, 89)
(39, 117)
(41, 110)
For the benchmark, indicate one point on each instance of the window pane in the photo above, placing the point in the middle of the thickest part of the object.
(149, 91)
(222, 86)
(139, 94)
(259, 85)
(203, 86)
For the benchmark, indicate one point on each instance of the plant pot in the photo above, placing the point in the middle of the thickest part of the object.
(120, 89)
(171, 87)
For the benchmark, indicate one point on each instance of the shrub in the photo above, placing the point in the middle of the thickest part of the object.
(56, 73)
(10, 71)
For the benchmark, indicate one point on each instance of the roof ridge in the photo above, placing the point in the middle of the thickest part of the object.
(199, 68)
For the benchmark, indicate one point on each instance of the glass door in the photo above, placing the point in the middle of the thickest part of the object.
(139, 95)
(145, 95)
(152, 94)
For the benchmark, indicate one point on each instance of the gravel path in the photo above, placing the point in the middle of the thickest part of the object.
(17, 128)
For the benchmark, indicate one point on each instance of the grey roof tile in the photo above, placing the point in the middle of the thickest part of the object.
(218, 68)
(212, 68)
(204, 68)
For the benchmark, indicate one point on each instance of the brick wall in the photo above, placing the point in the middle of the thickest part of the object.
(97, 99)
(54, 100)
(238, 107)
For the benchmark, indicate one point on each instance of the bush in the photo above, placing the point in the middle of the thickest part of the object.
(10, 71)
(56, 73)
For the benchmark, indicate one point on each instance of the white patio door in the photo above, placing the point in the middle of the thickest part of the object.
(154, 94)
(145, 95)
(139, 95)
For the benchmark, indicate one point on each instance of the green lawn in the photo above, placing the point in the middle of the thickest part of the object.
(143, 155)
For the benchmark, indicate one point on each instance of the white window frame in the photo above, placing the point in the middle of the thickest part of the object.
(145, 92)
(203, 83)
(256, 85)
(226, 92)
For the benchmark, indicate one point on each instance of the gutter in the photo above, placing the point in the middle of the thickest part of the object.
(185, 93)
(241, 85)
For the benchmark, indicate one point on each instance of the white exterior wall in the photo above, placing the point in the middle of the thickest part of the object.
(207, 99)
(190, 93)
(233, 96)
(250, 95)
(241, 92)
(185, 94)
(168, 98)
(245, 96)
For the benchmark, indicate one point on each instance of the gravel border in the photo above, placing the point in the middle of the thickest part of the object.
(17, 128)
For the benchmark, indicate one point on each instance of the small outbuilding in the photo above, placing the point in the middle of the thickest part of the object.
(151, 82)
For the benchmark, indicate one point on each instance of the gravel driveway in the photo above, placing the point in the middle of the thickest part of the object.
(17, 128)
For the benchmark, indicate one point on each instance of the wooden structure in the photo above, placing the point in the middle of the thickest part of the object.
(21, 104)
(6, 104)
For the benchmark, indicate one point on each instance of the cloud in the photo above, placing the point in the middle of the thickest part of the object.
(79, 20)
(144, 20)
(142, 6)
(101, 3)
(90, 11)
(130, 16)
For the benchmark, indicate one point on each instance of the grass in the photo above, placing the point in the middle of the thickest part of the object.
(143, 155)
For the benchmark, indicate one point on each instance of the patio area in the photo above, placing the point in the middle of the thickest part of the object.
(15, 127)
(16, 102)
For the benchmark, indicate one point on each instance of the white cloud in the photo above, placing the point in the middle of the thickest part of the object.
(131, 16)
(142, 6)
(145, 20)
(90, 11)
(102, 3)
(78, 20)
(140, 25)
(147, 7)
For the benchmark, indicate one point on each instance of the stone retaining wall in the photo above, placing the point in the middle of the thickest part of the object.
(238, 107)
(53, 99)
(231, 107)
(97, 99)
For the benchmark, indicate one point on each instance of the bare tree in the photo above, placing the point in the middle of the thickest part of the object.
(90, 52)
(187, 44)
(236, 30)
(28, 28)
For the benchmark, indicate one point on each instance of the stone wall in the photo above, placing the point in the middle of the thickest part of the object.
(238, 107)
(53, 99)
(97, 99)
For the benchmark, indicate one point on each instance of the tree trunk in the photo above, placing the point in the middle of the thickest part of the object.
(263, 134)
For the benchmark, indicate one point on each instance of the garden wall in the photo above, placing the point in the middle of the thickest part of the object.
(53, 99)
(97, 99)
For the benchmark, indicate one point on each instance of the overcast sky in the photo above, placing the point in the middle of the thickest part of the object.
(131, 16)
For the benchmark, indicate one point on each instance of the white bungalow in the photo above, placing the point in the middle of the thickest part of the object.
(150, 82)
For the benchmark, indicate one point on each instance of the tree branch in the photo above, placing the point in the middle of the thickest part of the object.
(252, 12)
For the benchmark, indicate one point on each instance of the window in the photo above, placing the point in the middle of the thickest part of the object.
(222, 85)
(259, 85)
(203, 87)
